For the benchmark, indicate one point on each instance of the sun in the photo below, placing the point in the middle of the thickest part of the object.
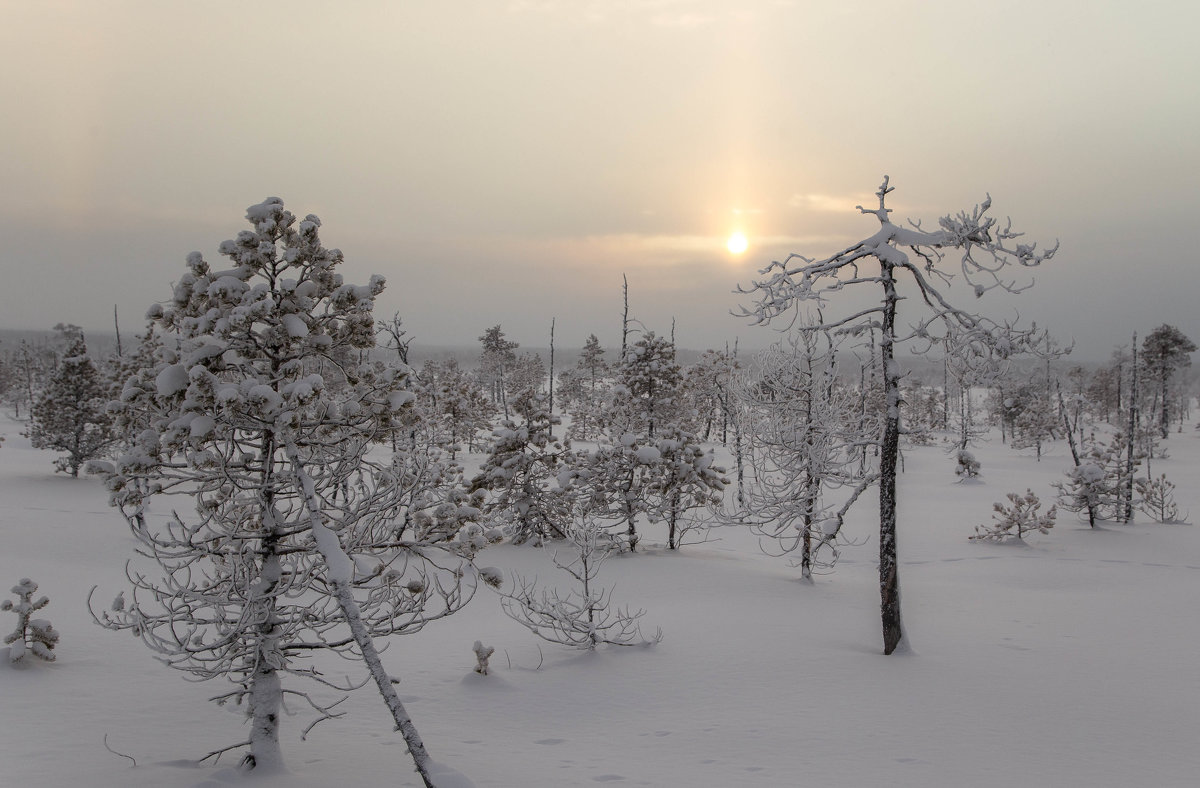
(737, 243)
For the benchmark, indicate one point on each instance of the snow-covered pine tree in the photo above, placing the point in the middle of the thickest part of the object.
(454, 409)
(302, 539)
(494, 362)
(1095, 486)
(526, 378)
(1165, 350)
(522, 474)
(70, 414)
(685, 478)
(591, 362)
(1021, 516)
(1034, 416)
(986, 248)
(966, 466)
(709, 382)
(614, 478)
(35, 636)
(1157, 499)
(648, 396)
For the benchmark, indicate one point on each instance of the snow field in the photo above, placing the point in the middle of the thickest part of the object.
(1066, 661)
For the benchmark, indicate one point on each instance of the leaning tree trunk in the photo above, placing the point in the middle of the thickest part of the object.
(889, 577)
(1091, 505)
(340, 572)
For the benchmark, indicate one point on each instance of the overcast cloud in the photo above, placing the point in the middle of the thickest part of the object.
(507, 162)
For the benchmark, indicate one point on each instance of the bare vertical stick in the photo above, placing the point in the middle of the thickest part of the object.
(117, 328)
(551, 405)
(625, 314)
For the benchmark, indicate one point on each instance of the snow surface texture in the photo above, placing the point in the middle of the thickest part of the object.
(1070, 660)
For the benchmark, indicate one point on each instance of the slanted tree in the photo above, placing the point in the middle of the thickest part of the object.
(70, 415)
(986, 248)
(303, 540)
(1165, 350)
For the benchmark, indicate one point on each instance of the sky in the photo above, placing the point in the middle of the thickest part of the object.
(507, 162)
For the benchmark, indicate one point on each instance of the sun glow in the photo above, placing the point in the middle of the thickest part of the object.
(737, 243)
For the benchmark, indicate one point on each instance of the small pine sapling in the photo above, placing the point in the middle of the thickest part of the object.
(32, 636)
(1157, 499)
(1087, 489)
(1017, 520)
(482, 655)
(583, 617)
(966, 467)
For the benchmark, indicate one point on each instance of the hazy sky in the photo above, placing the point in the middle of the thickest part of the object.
(506, 162)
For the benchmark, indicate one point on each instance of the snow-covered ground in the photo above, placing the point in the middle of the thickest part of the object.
(1068, 661)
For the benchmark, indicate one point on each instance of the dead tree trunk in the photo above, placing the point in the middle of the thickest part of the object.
(889, 568)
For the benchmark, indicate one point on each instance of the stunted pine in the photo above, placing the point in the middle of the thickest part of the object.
(984, 248)
(521, 473)
(301, 538)
(35, 636)
(582, 616)
(1022, 515)
(1157, 499)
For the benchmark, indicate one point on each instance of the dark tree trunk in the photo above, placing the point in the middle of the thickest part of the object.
(889, 569)
(1165, 420)
(1127, 482)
